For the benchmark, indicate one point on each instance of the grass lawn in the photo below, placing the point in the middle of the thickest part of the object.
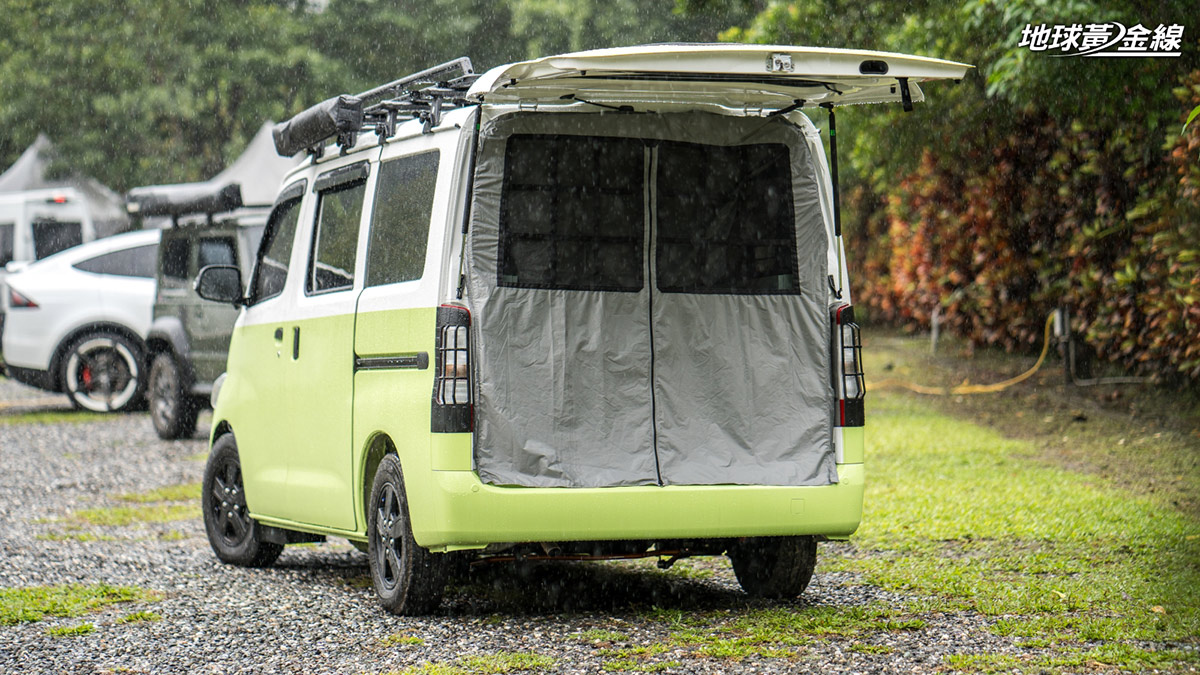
(1066, 515)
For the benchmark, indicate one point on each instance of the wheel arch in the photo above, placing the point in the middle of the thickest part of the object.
(378, 446)
(166, 332)
(219, 429)
(167, 336)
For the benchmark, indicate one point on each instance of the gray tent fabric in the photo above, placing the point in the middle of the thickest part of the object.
(591, 375)
(259, 169)
(29, 172)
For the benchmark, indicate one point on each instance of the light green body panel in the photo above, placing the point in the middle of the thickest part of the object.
(395, 403)
(449, 506)
(291, 417)
(468, 514)
(852, 445)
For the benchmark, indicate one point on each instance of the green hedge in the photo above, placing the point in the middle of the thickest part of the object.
(1105, 222)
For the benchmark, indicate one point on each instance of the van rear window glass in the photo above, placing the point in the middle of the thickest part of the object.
(271, 271)
(6, 243)
(572, 213)
(335, 241)
(50, 237)
(726, 223)
(175, 258)
(129, 262)
(400, 223)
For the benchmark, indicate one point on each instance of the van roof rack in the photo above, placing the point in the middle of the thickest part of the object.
(424, 95)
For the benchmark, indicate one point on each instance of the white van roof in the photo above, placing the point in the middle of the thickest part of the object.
(768, 76)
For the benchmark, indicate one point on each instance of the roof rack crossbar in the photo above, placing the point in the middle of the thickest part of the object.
(434, 74)
(344, 117)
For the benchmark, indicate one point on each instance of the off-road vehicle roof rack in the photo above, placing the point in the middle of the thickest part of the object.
(178, 201)
(423, 95)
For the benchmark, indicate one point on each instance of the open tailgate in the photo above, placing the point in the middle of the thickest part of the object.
(759, 76)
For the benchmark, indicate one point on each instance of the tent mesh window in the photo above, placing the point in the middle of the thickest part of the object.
(572, 213)
(725, 220)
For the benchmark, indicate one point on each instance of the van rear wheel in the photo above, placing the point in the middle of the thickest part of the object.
(774, 567)
(409, 580)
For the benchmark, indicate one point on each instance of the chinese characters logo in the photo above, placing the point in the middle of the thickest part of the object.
(1102, 39)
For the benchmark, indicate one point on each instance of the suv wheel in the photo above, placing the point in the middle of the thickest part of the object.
(172, 410)
(231, 531)
(103, 373)
(774, 567)
(408, 578)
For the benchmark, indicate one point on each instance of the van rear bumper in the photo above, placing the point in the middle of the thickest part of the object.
(469, 514)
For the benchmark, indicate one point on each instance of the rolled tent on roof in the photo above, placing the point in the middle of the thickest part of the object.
(29, 172)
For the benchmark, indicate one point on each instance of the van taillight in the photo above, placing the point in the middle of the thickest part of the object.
(452, 396)
(849, 385)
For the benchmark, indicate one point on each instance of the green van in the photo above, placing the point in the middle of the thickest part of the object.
(581, 307)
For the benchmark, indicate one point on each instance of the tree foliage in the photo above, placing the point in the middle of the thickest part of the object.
(139, 92)
(1036, 182)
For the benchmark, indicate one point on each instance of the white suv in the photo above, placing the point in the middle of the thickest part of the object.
(76, 321)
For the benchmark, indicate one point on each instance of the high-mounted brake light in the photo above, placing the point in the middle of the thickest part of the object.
(18, 301)
(57, 199)
(453, 405)
(849, 384)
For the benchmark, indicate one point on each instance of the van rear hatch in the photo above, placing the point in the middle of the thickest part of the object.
(733, 75)
(649, 288)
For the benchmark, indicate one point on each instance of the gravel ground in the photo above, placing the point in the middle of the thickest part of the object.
(314, 611)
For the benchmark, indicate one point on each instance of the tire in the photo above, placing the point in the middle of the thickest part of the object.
(172, 409)
(409, 580)
(232, 533)
(104, 372)
(774, 567)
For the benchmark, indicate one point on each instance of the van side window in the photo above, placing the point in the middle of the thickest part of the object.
(725, 218)
(572, 213)
(400, 223)
(6, 243)
(216, 251)
(335, 240)
(276, 249)
(175, 258)
(130, 262)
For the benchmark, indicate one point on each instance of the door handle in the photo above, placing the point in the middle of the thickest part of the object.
(295, 342)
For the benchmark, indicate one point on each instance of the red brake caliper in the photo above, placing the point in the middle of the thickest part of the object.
(86, 376)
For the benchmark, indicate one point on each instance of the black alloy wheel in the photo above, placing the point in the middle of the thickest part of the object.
(232, 533)
(409, 580)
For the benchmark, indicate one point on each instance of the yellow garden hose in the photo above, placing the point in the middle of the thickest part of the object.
(892, 383)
